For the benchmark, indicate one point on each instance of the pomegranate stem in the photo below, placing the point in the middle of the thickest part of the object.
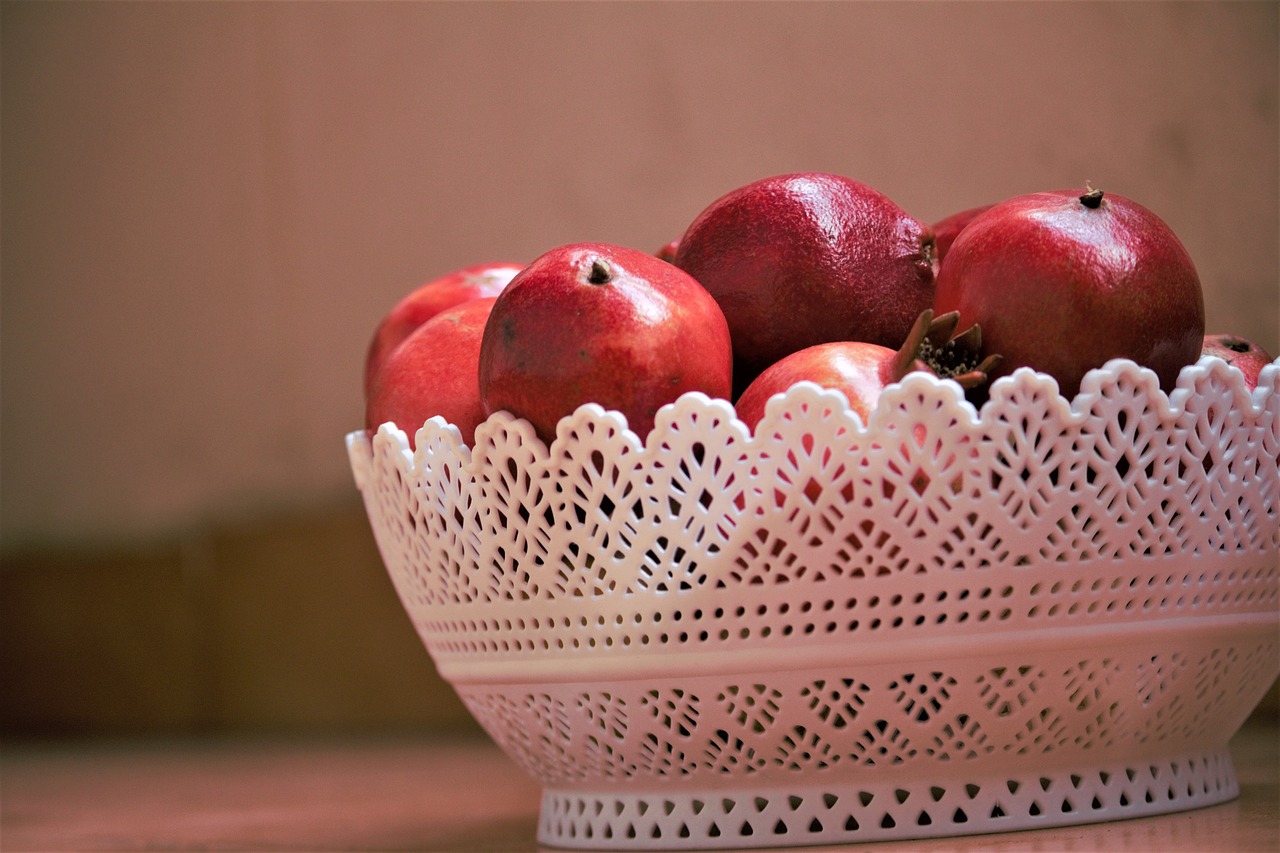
(1092, 199)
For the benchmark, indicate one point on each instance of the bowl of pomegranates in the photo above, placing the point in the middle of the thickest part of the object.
(917, 574)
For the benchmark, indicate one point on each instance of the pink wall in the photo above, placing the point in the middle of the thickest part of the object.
(206, 207)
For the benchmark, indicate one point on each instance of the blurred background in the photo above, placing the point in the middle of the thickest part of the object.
(208, 206)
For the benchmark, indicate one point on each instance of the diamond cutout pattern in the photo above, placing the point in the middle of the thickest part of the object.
(909, 593)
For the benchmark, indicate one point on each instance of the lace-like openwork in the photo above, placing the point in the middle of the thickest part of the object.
(942, 621)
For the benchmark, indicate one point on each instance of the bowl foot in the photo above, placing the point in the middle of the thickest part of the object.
(853, 810)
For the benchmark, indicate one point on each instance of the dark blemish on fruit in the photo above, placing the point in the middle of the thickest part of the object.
(1092, 199)
(1235, 344)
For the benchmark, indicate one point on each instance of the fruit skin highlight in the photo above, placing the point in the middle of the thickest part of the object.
(597, 323)
(1063, 281)
(808, 258)
(434, 372)
(477, 281)
(1238, 352)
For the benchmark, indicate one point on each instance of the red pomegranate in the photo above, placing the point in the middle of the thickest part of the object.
(477, 281)
(434, 372)
(596, 323)
(946, 230)
(862, 370)
(1240, 353)
(1063, 281)
(802, 259)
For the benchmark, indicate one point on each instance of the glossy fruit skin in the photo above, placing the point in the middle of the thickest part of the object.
(946, 230)
(1238, 352)
(560, 336)
(860, 370)
(434, 371)
(1062, 287)
(425, 301)
(808, 258)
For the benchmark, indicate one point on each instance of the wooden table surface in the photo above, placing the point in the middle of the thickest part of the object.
(420, 794)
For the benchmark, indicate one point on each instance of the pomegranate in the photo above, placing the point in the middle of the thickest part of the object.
(424, 302)
(809, 258)
(947, 229)
(596, 323)
(434, 372)
(1238, 352)
(862, 370)
(1062, 281)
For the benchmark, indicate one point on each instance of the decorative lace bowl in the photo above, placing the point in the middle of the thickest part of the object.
(945, 621)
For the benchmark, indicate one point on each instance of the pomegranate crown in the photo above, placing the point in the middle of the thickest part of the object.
(932, 345)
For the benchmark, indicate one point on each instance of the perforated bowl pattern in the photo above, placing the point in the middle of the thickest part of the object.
(946, 620)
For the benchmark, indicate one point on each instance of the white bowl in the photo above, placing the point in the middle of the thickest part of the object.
(945, 621)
